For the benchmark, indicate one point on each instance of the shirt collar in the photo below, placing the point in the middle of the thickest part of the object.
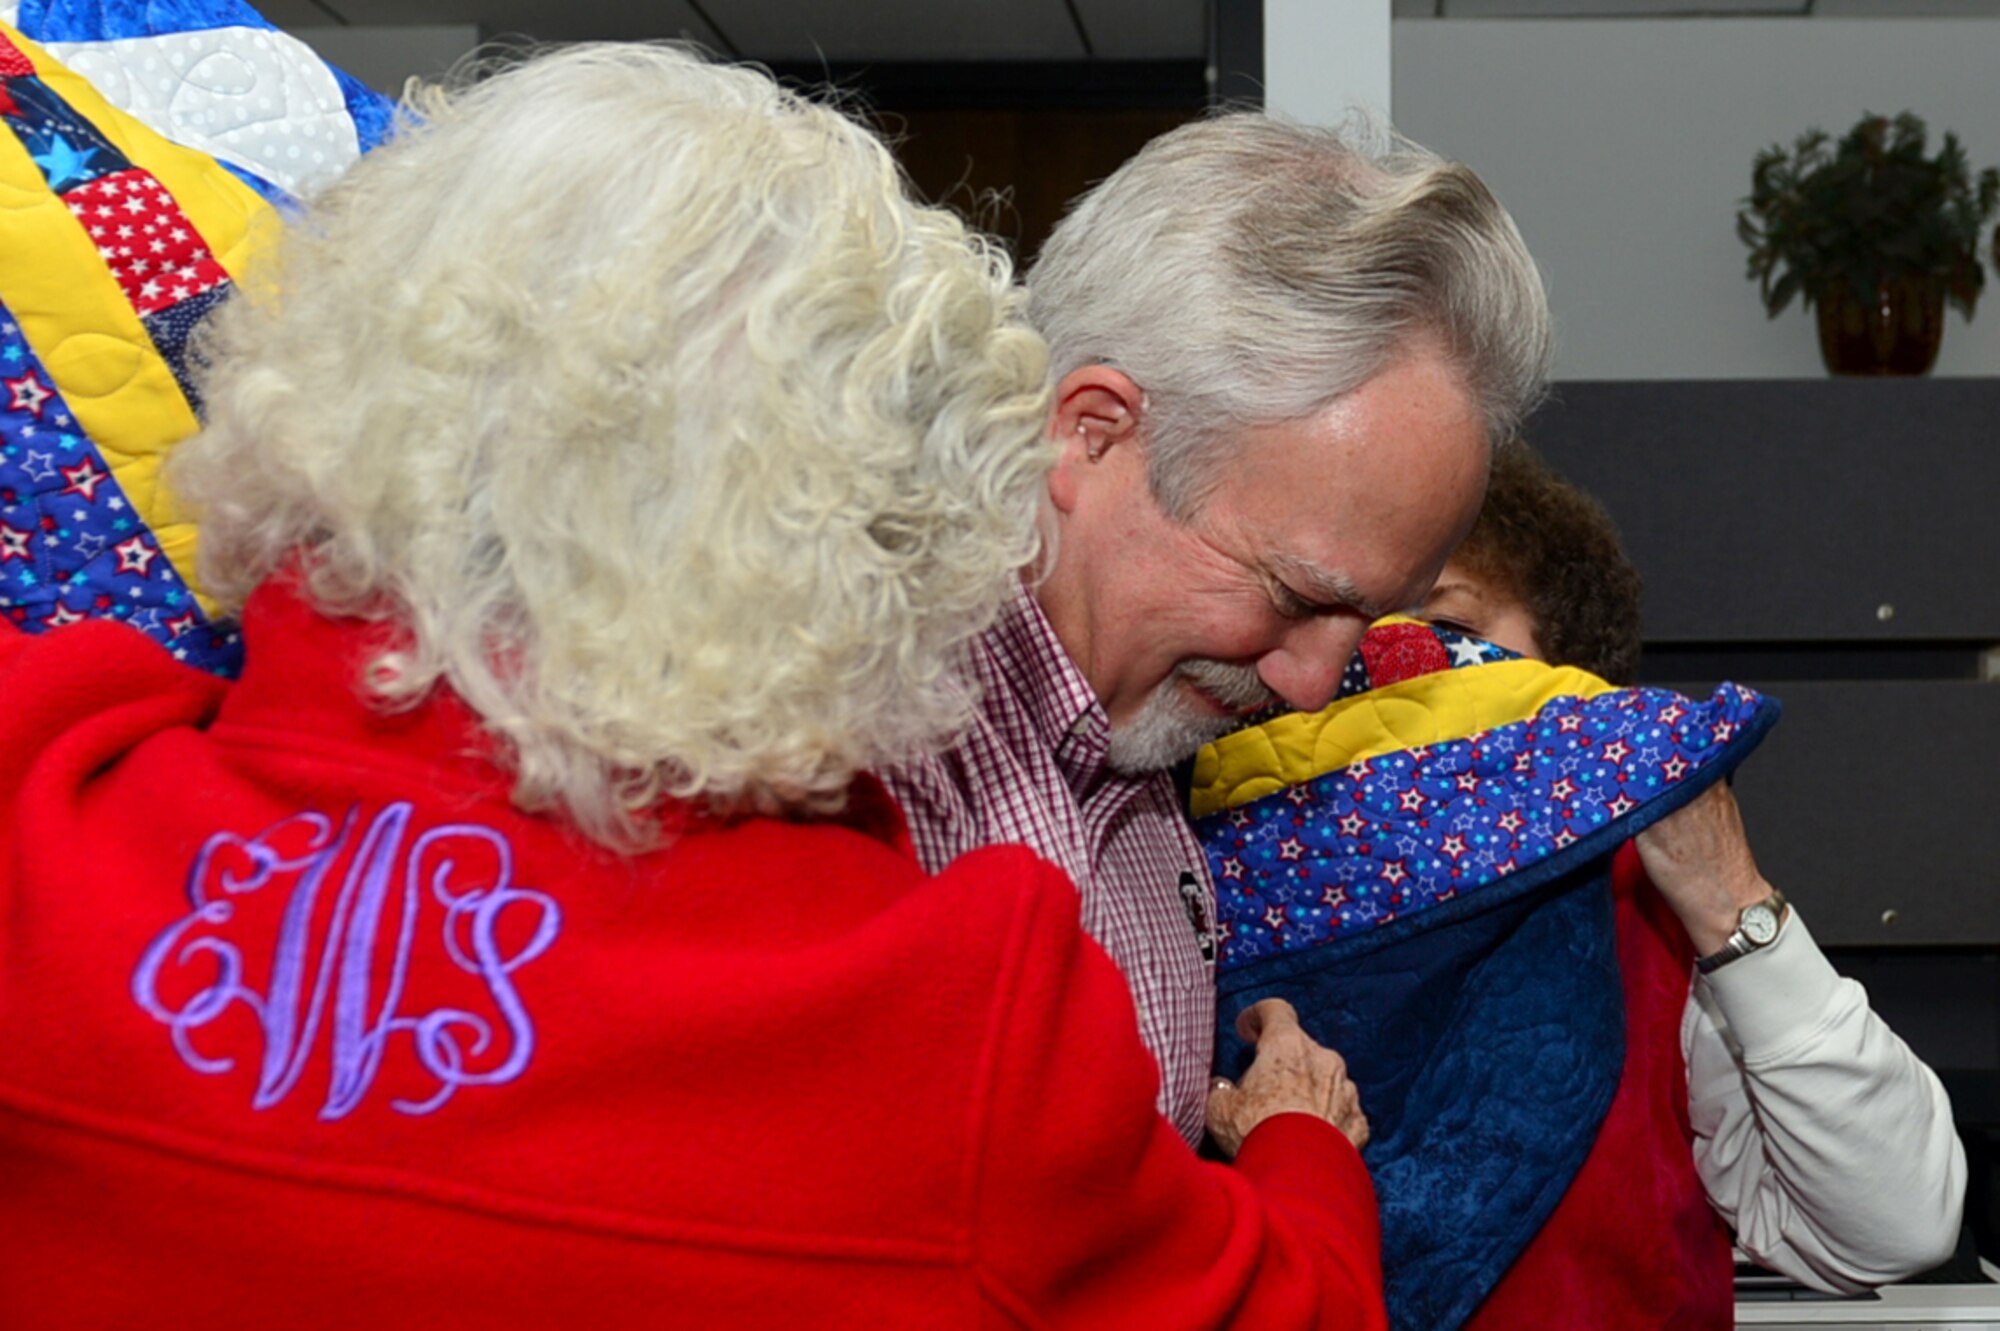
(1028, 662)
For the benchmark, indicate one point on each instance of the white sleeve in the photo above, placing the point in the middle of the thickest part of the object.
(1818, 1135)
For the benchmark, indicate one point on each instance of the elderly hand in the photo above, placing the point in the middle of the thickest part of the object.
(1700, 860)
(1292, 1073)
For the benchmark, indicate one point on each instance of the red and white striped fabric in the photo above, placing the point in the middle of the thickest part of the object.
(156, 254)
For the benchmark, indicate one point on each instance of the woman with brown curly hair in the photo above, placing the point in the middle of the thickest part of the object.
(1761, 1097)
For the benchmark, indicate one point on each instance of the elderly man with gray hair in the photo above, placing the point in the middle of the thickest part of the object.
(1281, 356)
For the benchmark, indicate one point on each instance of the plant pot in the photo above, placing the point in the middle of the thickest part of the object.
(1898, 333)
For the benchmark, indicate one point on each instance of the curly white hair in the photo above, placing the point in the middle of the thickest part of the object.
(637, 395)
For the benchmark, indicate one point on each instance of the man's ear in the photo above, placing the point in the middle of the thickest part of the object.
(1097, 409)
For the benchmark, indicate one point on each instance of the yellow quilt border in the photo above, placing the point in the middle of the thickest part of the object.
(77, 319)
(1431, 709)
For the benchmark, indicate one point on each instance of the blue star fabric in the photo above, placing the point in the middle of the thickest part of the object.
(67, 148)
(1390, 837)
(71, 544)
(173, 327)
(1441, 915)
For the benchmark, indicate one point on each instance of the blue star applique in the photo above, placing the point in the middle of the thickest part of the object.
(64, 163)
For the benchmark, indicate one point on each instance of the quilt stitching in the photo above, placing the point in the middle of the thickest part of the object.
(74, 540)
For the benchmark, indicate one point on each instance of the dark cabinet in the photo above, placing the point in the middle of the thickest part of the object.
(1796, 510)
(1835, 543)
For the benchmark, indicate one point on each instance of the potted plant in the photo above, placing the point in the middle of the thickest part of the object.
(1872, 232)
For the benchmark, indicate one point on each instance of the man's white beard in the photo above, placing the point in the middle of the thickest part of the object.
(1171, 724)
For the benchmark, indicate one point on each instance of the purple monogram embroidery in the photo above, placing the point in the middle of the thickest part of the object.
(390, 887)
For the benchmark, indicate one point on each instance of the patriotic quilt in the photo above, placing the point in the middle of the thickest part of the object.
(146, 154)
(217, 77)
(1423, 870)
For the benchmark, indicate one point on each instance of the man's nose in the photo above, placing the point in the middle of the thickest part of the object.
(1306, 666)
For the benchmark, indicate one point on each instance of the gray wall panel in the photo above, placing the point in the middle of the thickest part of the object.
(1794, 510)
(1878, 796)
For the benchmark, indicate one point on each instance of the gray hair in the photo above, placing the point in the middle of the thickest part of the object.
(1245, 270)
(654, 418)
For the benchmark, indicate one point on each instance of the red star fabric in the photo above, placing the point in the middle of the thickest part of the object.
(150, 246)
(1396, 652)
(13, 62)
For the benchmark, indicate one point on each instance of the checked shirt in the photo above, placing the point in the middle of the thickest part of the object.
(1032, 770)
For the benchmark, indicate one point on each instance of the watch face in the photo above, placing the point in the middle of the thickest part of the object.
(1759, 923)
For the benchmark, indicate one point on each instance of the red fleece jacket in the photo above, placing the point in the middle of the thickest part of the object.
(1634, 1242)
(305, 1025)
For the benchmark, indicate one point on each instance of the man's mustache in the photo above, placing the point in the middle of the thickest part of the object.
(1234, 686)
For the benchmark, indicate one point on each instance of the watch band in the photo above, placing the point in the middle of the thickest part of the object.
(1745, 939)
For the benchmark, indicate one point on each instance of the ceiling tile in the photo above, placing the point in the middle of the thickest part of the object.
(1616, 8)
(301, 13)
(1146, 29)
(1907, 9)
(544, 20)
(917, 30)
(307, 14)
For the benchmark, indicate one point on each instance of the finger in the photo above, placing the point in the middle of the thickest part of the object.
(1222, 1095)
(1265, 1017)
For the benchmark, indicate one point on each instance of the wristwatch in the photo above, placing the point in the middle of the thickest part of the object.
(1756, 926)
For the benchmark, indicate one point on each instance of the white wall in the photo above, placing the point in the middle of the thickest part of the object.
(1321, 60)
(1622, 147)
